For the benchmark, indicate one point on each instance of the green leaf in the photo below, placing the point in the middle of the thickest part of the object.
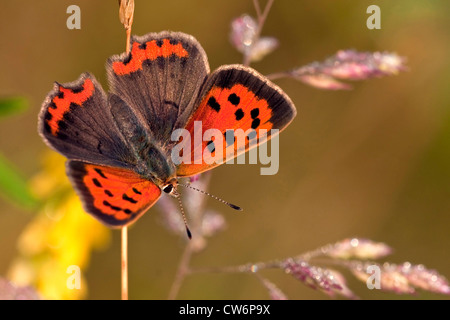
(13, 186)
(12, 105)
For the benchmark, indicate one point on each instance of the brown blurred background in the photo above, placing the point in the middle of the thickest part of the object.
(372, 162)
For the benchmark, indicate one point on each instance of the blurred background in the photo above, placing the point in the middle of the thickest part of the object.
(372, 162)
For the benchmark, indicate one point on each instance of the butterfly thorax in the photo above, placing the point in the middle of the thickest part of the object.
(146, 154)
(154, 164)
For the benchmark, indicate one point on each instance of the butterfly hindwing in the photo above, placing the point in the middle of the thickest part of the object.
(75, 119)
(160, 79)
(235, 97)
(115, 196)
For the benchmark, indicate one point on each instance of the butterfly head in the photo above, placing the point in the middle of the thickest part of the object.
(170, 188)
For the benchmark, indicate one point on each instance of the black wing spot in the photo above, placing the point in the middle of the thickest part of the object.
(62, 125)
(60, 94)
(106, 203)
(127, 198)
(254, 113)
(100, 172)
(48, 116)
(159, 43)
(234, 99)
(47, 127)
(229, 137)
(239, 114)
(255, 123)
(212, 102)
(73, 106)
(211, 147)
(78, 90)
(127, 211)
(96, 182)
(127, 59)
(136, 191)
(143, 46)
(108, 193)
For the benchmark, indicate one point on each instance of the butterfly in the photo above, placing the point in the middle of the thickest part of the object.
(119, 145)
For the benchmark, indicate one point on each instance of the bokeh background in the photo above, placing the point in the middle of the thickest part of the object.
(373, 162)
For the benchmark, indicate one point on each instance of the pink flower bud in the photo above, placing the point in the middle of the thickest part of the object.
(9, 291)
(243, 31)
(405, 278)
(314, 277)
(243, 38)
(212, 223)
(358, 248)
(425, 279)
(262, 47)
(323, 82)
(349, 65)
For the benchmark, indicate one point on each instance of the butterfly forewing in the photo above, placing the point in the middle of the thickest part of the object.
(160, 79)
(75, 119)
(235, 98)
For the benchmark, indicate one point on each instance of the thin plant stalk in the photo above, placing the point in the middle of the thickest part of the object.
(124, 231)
(126, 13)
(182, 271)
(261, 20)
(124, 255)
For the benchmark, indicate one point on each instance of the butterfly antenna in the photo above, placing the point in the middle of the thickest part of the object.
(177, 195)
(233, 206)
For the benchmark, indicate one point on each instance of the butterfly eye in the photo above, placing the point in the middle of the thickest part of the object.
(168, 188)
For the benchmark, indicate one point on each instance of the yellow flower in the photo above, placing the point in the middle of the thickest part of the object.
(58, 241)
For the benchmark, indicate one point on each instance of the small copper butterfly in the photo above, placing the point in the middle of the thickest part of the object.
(118, 144)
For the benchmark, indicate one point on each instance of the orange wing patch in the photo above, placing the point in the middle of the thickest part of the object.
(150, 50)
(64, 100)
(115, 196)
(238, 106)
(227, 109)
(243, 107)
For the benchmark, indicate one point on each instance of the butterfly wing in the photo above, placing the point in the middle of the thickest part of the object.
(115, 196)
(75, 120)
(160, 79)
(233, 97)
(80, 121)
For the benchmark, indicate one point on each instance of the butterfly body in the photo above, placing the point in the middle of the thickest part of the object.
(120, 145)
(150, 159)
